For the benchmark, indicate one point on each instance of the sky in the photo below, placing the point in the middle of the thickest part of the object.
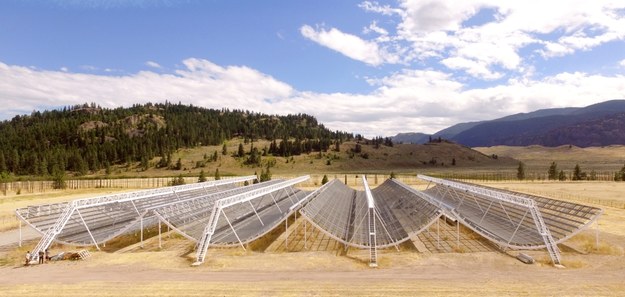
(376, 68)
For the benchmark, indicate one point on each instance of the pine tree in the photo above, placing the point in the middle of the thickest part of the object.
(577, 173)
(265, 175)
(178, 164)
(561, 176)
(241, 151)
(324, 180)
(224, 149)
(202, 177)
(58, 181)
(552, 173)
(520, 174)
(3, 163)
(392, 175)
(217, 175)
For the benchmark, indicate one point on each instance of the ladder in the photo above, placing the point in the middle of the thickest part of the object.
(52, 232)
(84, 254)
(202, 245)
(550, 243)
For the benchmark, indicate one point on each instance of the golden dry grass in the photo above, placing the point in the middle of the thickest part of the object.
(539, 158)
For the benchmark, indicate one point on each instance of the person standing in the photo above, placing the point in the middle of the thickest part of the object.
(27, 258)
(41, 255)
(47, 257)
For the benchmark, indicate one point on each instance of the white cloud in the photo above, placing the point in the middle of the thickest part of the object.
(349, 45)
(446, 30)
(153, 64)
(622, 63)
(409, 100)
(374, 6)
(64, 69)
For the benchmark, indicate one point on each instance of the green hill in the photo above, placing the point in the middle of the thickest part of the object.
(87, 138)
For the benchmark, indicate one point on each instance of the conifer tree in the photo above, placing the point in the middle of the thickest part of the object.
(520, 173)
(577, 173)
(552, 173)
(324, 180)
(241, 151)
(202, 177)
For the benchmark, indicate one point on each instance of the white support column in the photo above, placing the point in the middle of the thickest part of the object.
(88, 231)
(597, 234)
(254, 209)
(274, 201)
(458, 234)
(305, 230)
(373, 241)
(160, 245)
(233, 231)
(286, 232)
(141, 232)
(438, 236)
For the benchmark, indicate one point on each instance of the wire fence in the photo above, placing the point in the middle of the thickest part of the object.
(30, 187)
(354, 180)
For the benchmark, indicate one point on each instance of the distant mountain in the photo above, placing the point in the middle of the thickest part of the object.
(449, 133)
(416, 138)
(594, 125)
(546, 127)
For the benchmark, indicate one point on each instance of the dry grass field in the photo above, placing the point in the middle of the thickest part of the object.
(591, 270)
(608, 158)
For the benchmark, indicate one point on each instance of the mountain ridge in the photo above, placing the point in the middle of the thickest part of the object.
(549, 127)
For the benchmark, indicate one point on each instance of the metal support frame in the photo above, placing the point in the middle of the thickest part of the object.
(234, 231)
(51, 233)
(256, 213)
(209, 230)
(373, 252)
(160, 245)
(87, 227)
(286, 233)
(507, 197)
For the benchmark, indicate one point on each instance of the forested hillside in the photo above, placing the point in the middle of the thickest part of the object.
(87, 137)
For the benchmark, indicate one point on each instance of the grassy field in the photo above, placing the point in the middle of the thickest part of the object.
(382, 160)
(538, 158)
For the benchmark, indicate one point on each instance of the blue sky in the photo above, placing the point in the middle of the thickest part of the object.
(376, 68)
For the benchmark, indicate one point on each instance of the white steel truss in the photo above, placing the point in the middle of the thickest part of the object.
(209, 230)
(74, 206)
(507, 197)
(371, 216)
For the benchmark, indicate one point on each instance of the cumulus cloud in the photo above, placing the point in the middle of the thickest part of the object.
(622, 63)
(479, 36)
(152, 64)
(202, 83)
(409, 100)
(349, 45)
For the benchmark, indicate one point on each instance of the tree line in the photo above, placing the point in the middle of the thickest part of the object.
(578, 174)
(87, 138)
